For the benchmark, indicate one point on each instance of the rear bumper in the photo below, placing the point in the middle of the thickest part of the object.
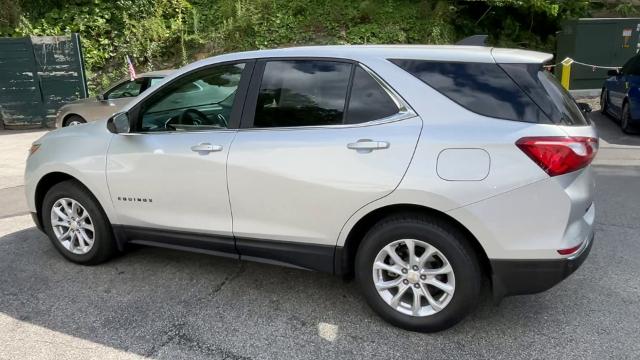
(519, 277)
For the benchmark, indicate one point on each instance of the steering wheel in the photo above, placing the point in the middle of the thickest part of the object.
(223, 121)
(186, 118)
(127, 94)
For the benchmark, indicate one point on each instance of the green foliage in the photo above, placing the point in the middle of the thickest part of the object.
(159, 34)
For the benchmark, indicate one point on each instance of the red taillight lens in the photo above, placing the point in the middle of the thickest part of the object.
(559, 155)
(570, 251)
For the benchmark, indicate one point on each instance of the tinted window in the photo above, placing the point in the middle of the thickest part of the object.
(302, 93)
(483, 88)
(546, 92)
(626, 68)
(634, 69)
(126, 89)
(199, 101)
(368, 101)
(154, 81)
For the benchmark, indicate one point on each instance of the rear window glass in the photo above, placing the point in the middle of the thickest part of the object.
(545, 90)
(483, 88)
(368, 100)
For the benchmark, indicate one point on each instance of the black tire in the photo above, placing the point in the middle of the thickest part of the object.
(625, 119)
(75, 120)
(450, 241)
(603, 102)
(104, 244)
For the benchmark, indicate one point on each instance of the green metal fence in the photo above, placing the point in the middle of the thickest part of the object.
(37, 75)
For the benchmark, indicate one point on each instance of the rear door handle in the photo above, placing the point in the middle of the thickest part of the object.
(206, 148)
(366, 145)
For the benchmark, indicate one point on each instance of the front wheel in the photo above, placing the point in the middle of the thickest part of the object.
(625, 120)
(603, 102)
(418, 273)
(76, 224)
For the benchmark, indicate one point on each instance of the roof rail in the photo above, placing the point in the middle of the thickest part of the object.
(475, 40)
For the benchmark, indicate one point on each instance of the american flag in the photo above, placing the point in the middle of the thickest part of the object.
(132, 71)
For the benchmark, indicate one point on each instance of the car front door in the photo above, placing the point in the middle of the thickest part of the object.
(168, 177)
(319, 140)
(619, 84)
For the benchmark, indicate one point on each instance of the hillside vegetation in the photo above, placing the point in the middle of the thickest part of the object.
(169, 33)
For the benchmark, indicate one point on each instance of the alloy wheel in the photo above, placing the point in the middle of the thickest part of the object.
(72, 226)
(413, 277)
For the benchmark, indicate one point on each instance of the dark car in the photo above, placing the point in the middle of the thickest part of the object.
(620, 96)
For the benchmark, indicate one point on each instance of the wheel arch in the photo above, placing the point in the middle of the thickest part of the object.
(67, 116)
(345, 255)
(49, 180)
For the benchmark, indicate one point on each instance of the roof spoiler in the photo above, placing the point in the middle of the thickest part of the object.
(475, 40)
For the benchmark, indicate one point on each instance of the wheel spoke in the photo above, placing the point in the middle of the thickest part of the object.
(391, 251)
(60, 214)
(440, 285)
(415, 308)
(446, 269)
(59, 223)
(428, 252)
(74, 209)
(66, 207)
(434, 304)
(384, 285)
(394, 269)
(81, 242)
(86, 226)
(87, 239)
(411, 249)
(395, 301)
(65, 234)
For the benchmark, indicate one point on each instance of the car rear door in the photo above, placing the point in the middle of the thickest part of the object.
(320, 139)
(168, 178)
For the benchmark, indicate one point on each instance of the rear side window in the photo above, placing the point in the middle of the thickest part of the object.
(545, 90)
(368, 101)
(483, 88)
(302, 93)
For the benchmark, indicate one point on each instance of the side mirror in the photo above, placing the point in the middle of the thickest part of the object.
(613, 72)
(584, 107)
(119, 123)
(100, 97)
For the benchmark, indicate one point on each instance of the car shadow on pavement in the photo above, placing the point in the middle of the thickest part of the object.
(609, 130)
(167, 304)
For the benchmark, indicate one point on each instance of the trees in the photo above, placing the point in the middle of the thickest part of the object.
(168, 33)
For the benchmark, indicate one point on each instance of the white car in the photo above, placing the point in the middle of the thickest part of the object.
(421, 170)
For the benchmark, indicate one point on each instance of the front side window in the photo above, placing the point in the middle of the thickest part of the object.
(126, 89)
(302, 93)
(199, 101)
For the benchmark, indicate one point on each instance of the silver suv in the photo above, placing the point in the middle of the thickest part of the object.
(420, 170)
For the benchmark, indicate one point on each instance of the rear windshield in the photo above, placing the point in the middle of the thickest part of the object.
(518, 92)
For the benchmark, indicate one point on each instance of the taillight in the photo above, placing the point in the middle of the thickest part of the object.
(558, 155)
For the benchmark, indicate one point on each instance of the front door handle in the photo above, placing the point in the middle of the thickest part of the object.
(206, 148)
(367, 145)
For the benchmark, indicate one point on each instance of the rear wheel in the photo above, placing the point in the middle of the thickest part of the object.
(76, 224)
(418, 273)
(74, 120)
(625, 120)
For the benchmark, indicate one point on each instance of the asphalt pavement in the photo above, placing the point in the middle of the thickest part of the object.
(165, 304)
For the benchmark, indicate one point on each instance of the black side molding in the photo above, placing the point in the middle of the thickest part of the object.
(307, 256)
(295, 254)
